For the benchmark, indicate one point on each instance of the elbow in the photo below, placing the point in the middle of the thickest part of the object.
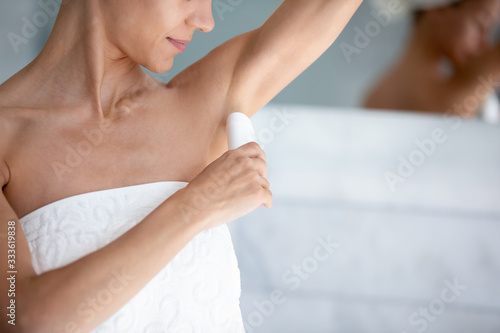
(17, 323)
(33, 318)
(13, 320)
(37, 316)
(21, 320)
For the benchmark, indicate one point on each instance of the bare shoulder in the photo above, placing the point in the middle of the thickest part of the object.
(197, 110)
(381, 94)
(400, 89)
(203, 89)
(217, 66)
(209, 79)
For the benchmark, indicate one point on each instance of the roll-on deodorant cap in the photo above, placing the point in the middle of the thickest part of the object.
(239, 130)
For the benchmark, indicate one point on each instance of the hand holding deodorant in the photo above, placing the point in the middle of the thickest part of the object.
(239, 130)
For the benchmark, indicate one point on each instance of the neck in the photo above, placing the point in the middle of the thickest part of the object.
(80, 66)
(422, 58)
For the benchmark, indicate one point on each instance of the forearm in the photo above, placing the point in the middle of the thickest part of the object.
(65, 297)
(317, 21)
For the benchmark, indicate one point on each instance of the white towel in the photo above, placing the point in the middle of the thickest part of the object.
(198, 291)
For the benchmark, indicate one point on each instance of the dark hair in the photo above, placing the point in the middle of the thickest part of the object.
(419, 13)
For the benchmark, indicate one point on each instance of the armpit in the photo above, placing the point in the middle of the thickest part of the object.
(4, 173)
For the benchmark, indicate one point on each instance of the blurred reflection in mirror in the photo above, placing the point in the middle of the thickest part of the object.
(450, 63)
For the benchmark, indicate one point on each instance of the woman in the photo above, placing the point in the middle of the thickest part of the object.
(122, 183)
(458, 32)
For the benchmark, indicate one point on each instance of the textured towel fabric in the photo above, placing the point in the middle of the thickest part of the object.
(198, 291)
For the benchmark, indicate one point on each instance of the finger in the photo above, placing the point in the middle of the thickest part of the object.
(252, 149)
(265, 183)
(261, 166)
(267, 198)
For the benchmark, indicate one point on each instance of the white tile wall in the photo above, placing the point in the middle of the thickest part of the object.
(396, 248)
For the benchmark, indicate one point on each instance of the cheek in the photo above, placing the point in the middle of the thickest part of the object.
(157, 55)
(151, 27)
(142, 36)
(160, 64)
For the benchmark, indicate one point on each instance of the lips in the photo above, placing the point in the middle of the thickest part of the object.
(178, 43)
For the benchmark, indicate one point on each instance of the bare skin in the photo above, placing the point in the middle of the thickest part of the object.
(87, 79)
(459, 34)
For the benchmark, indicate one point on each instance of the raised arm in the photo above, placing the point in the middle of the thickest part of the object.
(247, 71)
(297, 34)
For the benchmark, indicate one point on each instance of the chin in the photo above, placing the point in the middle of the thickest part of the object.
(160, 67)
(159, 62)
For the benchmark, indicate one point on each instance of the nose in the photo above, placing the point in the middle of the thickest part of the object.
(202, 18)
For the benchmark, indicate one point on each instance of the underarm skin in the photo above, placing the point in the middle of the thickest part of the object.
(257, 65)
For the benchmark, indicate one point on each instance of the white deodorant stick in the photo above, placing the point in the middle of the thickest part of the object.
(239, 130)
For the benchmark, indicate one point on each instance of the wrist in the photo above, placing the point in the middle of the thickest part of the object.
(186, 212)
